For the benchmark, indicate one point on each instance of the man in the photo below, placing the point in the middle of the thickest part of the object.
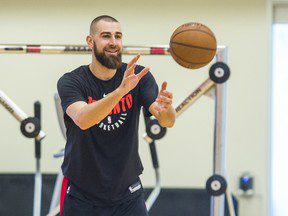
(102, 102)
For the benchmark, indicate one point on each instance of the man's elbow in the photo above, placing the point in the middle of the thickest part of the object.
(83, 124)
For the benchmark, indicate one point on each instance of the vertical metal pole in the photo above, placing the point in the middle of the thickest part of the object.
(37, 190)
(223, 56)
(56, 192)
(217, 203)
(38, 176)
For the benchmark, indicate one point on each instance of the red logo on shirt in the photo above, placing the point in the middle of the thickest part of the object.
(118, 114)
(124, 104)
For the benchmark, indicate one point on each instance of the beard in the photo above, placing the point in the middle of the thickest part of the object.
(111, 62)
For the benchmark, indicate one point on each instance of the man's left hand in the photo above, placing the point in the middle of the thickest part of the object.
(162, 108)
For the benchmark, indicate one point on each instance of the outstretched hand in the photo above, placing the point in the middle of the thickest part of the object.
(130, 79)
(164, 99)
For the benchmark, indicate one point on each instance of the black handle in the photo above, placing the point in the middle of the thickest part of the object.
(152, 145)
(154, 154)
(37, 114)
(146, 119)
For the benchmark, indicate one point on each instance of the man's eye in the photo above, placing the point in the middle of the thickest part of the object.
(118, 36)
(106, 36)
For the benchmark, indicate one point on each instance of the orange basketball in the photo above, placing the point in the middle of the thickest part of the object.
(193, 45)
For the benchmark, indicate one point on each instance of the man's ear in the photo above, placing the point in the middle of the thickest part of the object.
(89, 41)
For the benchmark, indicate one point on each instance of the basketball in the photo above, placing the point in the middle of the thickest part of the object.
(193, 45)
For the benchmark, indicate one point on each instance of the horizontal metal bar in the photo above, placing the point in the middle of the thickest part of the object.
(81, 49)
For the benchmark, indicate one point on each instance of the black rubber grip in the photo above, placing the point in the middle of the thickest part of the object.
(146, 119)
(153, 152)
(152, 145)
(37, 114)
(37, 110)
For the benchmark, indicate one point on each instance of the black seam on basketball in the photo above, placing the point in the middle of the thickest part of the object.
(194, 30)
(193, 46)
(179, 58)
(188, 61)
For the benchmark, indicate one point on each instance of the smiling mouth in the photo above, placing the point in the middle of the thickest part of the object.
(113, 52)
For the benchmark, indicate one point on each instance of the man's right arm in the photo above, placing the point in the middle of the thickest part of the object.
(87, 115)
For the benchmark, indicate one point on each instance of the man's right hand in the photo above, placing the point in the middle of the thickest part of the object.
(130, 79)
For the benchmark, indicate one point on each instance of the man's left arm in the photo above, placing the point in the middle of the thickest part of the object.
(162, 108)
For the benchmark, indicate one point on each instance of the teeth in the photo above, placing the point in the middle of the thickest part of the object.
(111, 51)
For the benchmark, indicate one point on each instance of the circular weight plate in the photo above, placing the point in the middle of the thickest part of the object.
(216, 185)
(154, 130)
(30, 127)
(219, 72)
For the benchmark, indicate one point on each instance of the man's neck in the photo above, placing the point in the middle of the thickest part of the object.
(100, 71)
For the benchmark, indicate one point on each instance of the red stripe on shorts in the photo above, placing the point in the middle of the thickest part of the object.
(63, 193)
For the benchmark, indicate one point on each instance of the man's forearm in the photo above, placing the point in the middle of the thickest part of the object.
(93, 113)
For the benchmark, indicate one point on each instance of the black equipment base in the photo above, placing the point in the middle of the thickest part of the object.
(16, 198)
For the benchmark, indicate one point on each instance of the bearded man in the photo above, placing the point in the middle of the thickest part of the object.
(101, 104)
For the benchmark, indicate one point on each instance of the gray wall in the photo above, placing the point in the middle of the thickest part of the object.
(186, 152)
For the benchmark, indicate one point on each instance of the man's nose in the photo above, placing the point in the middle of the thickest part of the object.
(112, 41)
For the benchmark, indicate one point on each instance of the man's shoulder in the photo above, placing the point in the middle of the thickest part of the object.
(74, 74)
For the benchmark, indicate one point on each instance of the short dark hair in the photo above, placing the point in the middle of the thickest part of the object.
(97, 19)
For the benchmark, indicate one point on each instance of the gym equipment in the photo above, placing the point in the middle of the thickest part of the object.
(31, 128)
(219, 74)
(79, 49)
(154, 130)
(216, 185)
(54, 205)
(11, 107)
(151, 124)
(219, 89)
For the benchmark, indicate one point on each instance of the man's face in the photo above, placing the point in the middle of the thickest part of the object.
(107, 44)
